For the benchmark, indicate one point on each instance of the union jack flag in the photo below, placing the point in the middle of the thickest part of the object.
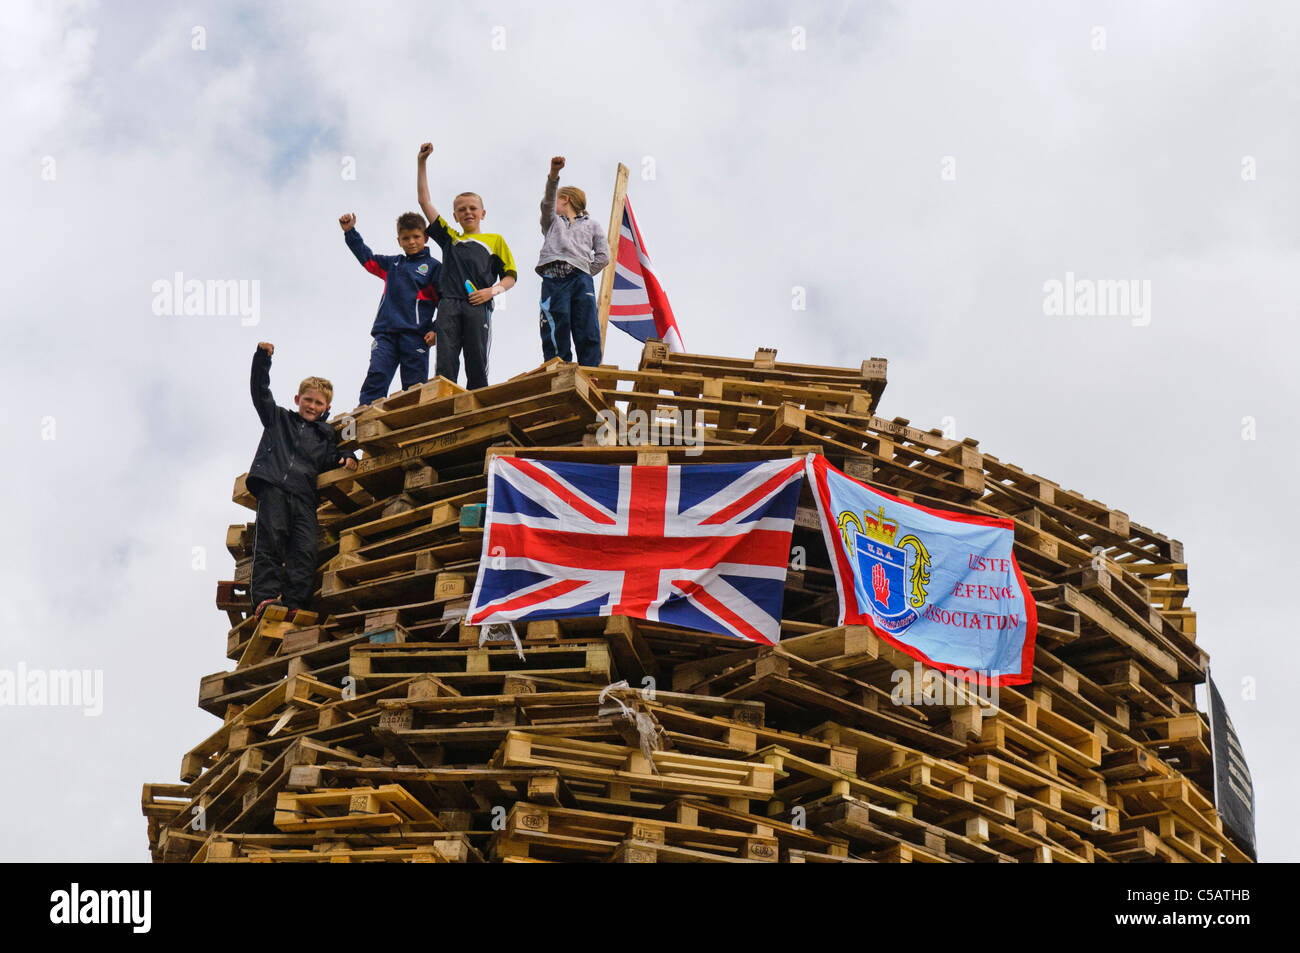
(703, 546)
(638, 304)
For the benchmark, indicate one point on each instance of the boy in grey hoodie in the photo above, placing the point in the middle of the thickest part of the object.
(574, 249)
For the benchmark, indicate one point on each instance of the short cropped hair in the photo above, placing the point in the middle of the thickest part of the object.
(463, 194)
(410, 221)
(577, 198)
(320, 384)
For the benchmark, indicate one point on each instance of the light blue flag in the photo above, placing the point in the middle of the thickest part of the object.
(944, 587)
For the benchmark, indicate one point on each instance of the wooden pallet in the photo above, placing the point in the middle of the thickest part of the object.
(1182, 741)
(406, 530)
(1037, 733)
(299, 692)
(801, 779)
(389, 805)
(790, 837)
(368, 846)
(813, 857)
(1187, 839)
(1033, 838)
(1136, 846)
(471, 669)
(792, 686)
(257, 804)
(1146, 694)
(243, 685)
(526, 401)
(630, 652)
(869, 376)
(620, 771)
(1061, 688)
(562, 834)
(384, 475)
(232, 599)
(1061, 802)
(646, 387)
(878, 833)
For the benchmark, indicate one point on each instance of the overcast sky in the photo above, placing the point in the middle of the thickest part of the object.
(920, 170)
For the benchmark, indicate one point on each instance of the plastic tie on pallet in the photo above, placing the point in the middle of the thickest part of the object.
(647, 731)
(451, 619)
(501, 632)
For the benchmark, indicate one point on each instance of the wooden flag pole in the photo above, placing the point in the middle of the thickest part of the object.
(615, 230)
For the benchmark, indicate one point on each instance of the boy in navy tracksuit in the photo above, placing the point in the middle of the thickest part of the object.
(295, 449)
(403, 328)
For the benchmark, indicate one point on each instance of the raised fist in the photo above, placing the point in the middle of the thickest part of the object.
(426, 150)
(347, 221)
(557, 163)
(267, 346)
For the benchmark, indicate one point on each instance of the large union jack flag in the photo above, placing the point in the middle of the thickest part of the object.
(703, 546)
(638, 304)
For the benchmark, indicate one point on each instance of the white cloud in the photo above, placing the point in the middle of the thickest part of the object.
(45, 56)
(774, 167)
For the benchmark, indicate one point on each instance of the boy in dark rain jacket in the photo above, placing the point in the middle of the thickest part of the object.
(295, 448)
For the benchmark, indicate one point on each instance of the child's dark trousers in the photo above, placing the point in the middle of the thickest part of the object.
(284, 549)
(462, 326)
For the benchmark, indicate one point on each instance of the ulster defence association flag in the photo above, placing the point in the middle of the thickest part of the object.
(703, 546)
(944, 587)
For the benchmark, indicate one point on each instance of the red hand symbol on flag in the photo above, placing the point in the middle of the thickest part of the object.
(880, 583)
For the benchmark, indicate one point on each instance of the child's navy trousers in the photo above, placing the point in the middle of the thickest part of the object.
(569, 309)
(388, 351)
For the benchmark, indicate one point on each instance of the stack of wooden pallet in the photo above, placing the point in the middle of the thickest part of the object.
(382, 728)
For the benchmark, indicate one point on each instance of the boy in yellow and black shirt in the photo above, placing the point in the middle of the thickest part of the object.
(476, 267)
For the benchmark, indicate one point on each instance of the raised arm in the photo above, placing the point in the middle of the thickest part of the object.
(260, 383)
(377, 265)
(548, 197)
(422, 183)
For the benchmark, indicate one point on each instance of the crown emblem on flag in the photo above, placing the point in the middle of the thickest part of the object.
(879, 527)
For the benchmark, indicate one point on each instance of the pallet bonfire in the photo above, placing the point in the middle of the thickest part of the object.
(381, 727)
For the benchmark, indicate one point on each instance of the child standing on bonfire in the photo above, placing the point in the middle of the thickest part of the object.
(574, 248)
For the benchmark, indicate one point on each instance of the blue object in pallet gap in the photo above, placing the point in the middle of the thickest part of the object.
(382, 636)
(472, 514)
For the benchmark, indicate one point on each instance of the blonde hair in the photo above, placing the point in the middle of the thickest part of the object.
(577, 198)
(463, 194)
(320, 384)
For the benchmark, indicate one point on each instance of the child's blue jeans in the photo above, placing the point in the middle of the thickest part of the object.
(569, 309)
